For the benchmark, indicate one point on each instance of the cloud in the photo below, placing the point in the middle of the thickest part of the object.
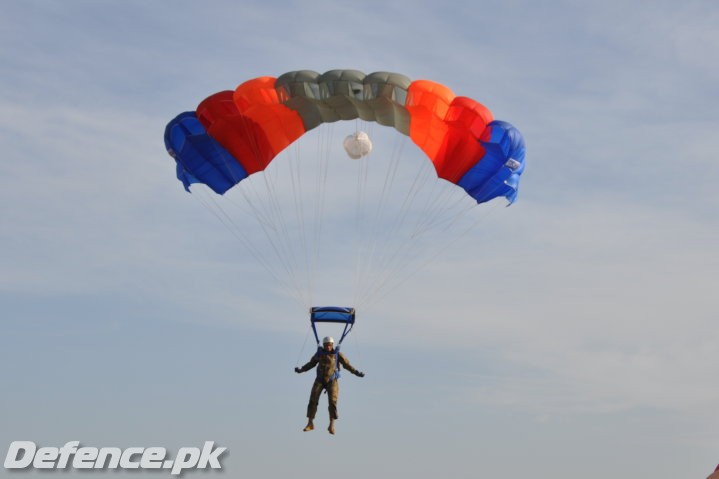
(605, 307)
(594, 291)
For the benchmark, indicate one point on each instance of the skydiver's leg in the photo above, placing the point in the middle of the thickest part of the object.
(314, 399)
(333, 392)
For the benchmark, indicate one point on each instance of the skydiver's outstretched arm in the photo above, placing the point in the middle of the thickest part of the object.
(311, 364)
(344, 362)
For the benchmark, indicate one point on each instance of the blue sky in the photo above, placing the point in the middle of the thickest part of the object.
(575, 336)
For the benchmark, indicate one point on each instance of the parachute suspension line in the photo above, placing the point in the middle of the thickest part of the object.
(397, 224)
(267, 212)
(487, 212)
(297, 194)
(267, 203)
(320, 195)
(364, 226)
(216, 210)
(391, 255)
(262, 219)
(297, 294)
(304, 344)
(398, 258)
(448, 200)
(299, 175)
(260, 212)
(360, 232)
(431, 204)
(292, 246)
(355, 237)
(420, 179)
(431, 258)
(228, 222)
(277, 239)
(257, 213)
(439, 219)
(249, 209)
(301, 172)
(376, 221)
(356, 346)
(260, 209)
(398, 264)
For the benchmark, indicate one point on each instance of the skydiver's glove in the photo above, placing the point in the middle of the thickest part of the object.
(360, 374)
(298, 370)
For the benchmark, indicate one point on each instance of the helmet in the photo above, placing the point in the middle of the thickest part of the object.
(328, 339)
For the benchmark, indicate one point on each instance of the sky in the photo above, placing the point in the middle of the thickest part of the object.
(571, 335)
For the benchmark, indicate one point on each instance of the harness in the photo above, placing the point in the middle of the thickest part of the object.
(335, 375)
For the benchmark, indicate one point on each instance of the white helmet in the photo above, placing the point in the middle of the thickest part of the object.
(328, 340)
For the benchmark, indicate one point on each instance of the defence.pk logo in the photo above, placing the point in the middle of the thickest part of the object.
(26, 454)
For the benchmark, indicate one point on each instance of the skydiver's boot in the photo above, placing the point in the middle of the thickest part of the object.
(331, 429)
(310, 426)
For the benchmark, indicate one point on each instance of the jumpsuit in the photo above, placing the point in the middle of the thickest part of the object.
(326, 363)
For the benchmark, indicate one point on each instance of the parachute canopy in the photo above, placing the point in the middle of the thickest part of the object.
(233, 134)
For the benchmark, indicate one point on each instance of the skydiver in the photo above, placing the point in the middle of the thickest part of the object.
(328, 363)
